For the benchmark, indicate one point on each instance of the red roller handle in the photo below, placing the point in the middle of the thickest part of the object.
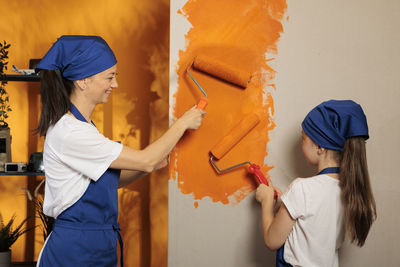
(255, 169)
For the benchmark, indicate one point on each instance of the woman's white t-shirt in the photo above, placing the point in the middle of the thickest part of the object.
(75, 153)
(318, 232)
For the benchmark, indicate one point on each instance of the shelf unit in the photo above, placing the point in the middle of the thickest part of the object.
(20, 78)
(31, 182)
(21, 173)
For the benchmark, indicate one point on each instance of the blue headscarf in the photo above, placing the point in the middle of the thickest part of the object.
(330, 123)
(78, 56)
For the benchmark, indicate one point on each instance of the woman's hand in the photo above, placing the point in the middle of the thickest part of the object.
(162, 164)
(192, 118)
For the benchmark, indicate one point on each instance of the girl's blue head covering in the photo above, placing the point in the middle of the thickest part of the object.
(330, 123)
(78, 56)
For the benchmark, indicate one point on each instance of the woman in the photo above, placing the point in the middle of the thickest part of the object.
(83, 168)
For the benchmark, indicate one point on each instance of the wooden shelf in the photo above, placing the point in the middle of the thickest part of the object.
(21, 173)
(24, 264)
(20, 78)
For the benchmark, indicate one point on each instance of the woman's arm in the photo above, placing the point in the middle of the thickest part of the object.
(128, 177)
(148, 159)
(275, 228)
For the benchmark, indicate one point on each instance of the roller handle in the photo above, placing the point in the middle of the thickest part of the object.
(202, 103)
(255, 169)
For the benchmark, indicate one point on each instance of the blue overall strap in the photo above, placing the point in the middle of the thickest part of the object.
(280, 261)
(81, 226)
(93, 227)
(121, 244)
(330, 170)
(78, 114)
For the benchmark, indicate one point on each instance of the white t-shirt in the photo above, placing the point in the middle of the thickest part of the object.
(74, 153)
(318, 232)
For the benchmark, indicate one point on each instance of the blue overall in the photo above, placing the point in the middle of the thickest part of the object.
(280, 261)
(86, 233)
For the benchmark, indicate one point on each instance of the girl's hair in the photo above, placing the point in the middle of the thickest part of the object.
(359, 203)
(55, 91)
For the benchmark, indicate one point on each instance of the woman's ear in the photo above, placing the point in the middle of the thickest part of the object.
(81, 84)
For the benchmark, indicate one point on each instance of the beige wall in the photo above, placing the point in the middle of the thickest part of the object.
(328, 50)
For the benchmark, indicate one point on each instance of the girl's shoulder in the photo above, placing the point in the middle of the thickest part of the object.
(299, 181)
(313, 182)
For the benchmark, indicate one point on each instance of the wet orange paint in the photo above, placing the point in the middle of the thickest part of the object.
(239, 33)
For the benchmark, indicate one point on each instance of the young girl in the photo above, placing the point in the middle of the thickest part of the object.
(317, 212)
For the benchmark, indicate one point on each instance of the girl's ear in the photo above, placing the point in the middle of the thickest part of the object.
(321, 150)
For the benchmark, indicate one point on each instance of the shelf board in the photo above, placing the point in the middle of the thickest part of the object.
(21, 173)
(20, 78)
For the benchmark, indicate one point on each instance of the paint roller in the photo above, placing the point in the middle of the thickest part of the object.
(230, 140)
(218, 69)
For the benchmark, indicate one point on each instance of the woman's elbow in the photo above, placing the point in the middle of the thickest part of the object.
(138, 160)
(143, 161)
(149, 166)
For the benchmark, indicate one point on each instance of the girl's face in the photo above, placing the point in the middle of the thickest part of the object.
(101, 85)
(310, 149)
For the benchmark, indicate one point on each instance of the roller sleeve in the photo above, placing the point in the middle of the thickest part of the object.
(235, 135)
(222, 70)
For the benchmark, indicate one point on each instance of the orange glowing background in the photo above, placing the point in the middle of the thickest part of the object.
(243, 34)
(136, 114)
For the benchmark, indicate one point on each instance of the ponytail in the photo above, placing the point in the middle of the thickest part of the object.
(55, 91)
(359, 203)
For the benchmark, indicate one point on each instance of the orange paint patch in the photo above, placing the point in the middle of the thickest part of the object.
(239, 33)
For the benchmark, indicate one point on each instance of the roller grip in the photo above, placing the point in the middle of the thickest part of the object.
(255, 169)
(203, 102)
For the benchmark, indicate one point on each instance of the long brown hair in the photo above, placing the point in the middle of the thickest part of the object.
(55, 91)
(357, 197)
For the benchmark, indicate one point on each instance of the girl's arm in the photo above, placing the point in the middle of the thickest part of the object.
(148, 159)
(275, 228)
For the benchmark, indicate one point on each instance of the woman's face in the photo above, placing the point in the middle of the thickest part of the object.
(310, 149)
(101, 84)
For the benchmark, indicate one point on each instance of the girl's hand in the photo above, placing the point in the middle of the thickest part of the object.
(278, 191)
(265, 194)
(192, 118)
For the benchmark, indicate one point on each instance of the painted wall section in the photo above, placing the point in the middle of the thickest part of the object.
(243, 34)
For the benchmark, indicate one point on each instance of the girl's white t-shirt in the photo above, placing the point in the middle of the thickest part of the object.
(74, 153)
(318, 232)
